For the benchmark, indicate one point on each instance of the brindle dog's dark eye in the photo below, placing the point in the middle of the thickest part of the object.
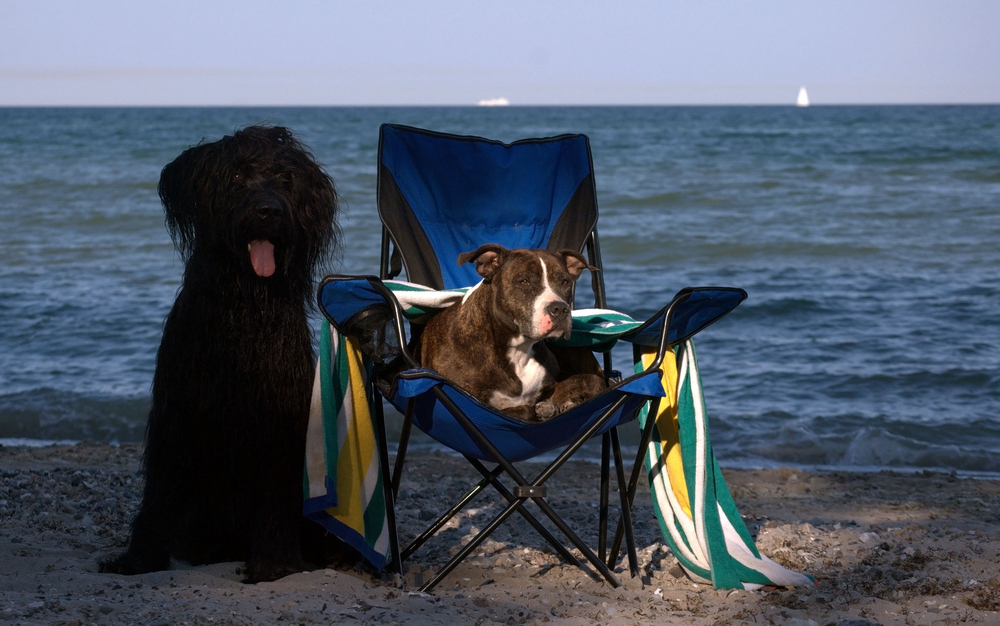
(565, 282)
(525, 281)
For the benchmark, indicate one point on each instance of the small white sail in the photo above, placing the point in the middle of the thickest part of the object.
(494, 102)
(803, 100)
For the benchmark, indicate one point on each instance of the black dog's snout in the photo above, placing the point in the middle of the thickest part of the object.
(270, 210)
(557, 310)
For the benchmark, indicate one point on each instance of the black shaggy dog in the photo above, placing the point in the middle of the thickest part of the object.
(253, 217)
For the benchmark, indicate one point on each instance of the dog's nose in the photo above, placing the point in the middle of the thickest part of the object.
(557, 310)
(270, 210)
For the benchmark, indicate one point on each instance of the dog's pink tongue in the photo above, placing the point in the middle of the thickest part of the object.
(262, 257)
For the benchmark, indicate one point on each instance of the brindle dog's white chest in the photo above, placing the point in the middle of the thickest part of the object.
(528, 369)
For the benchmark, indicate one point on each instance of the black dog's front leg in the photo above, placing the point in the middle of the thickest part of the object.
(154, 528)
(274, 555)
(274, 546)
(149, 545)
(274, 509)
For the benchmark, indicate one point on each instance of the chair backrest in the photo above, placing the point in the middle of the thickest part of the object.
(440, 195)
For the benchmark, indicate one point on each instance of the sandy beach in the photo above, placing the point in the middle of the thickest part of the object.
(885, 548)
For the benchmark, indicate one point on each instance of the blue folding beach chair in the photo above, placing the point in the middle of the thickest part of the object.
(440, 195)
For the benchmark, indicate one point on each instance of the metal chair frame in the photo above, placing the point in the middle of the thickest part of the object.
(524, 489)
(580, 233)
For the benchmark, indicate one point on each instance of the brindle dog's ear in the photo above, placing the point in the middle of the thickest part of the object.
(575, 263)
(488, 257)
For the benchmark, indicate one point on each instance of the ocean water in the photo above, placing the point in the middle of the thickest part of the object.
(868, 239)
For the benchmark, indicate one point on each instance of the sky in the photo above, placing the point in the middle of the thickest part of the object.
(457, 52)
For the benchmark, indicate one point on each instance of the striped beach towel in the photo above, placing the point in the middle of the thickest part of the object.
(697, 515)
(343, 479)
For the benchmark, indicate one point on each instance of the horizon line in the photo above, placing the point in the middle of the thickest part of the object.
(791, 105)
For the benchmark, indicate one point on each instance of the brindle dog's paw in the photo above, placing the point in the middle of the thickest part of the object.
(546, 409)
(569, 404)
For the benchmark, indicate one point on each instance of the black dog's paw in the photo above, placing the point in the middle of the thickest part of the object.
(131, 564)
(321, 550)
(260, 572)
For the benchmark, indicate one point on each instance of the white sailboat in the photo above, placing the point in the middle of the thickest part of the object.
(803, 99)
(494, 102)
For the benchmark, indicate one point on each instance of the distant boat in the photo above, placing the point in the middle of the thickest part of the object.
(494, 102)
(803, 100)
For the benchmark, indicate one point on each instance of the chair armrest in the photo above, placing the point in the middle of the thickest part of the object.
(346, 299)
(692, 310)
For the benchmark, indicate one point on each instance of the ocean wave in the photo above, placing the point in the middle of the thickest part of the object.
(655, 200)
(792, 306)
(926, 155)
(845, 441)
(652, 249)
(913, 383)
(50, 414)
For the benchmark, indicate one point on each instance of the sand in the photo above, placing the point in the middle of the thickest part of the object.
(885, 548)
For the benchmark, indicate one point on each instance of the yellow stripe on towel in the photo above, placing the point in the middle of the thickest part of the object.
(668, 428)
(357, 446)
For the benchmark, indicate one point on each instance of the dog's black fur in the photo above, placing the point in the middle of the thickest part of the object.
(225, 438)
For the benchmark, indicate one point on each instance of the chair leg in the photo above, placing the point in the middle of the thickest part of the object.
(576, 541)
(512, 471)
(514, 504)
(626, 504)
(602, 537)
(637, 467)
(489, 477)
(404, 440)
(472, 545)
(390, 497)
(531, 519)
(431, 530)
(500, 519)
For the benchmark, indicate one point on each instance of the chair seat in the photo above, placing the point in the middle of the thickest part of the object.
(516, 440)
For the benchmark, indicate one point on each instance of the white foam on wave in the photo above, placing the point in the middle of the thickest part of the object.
(36, 443)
